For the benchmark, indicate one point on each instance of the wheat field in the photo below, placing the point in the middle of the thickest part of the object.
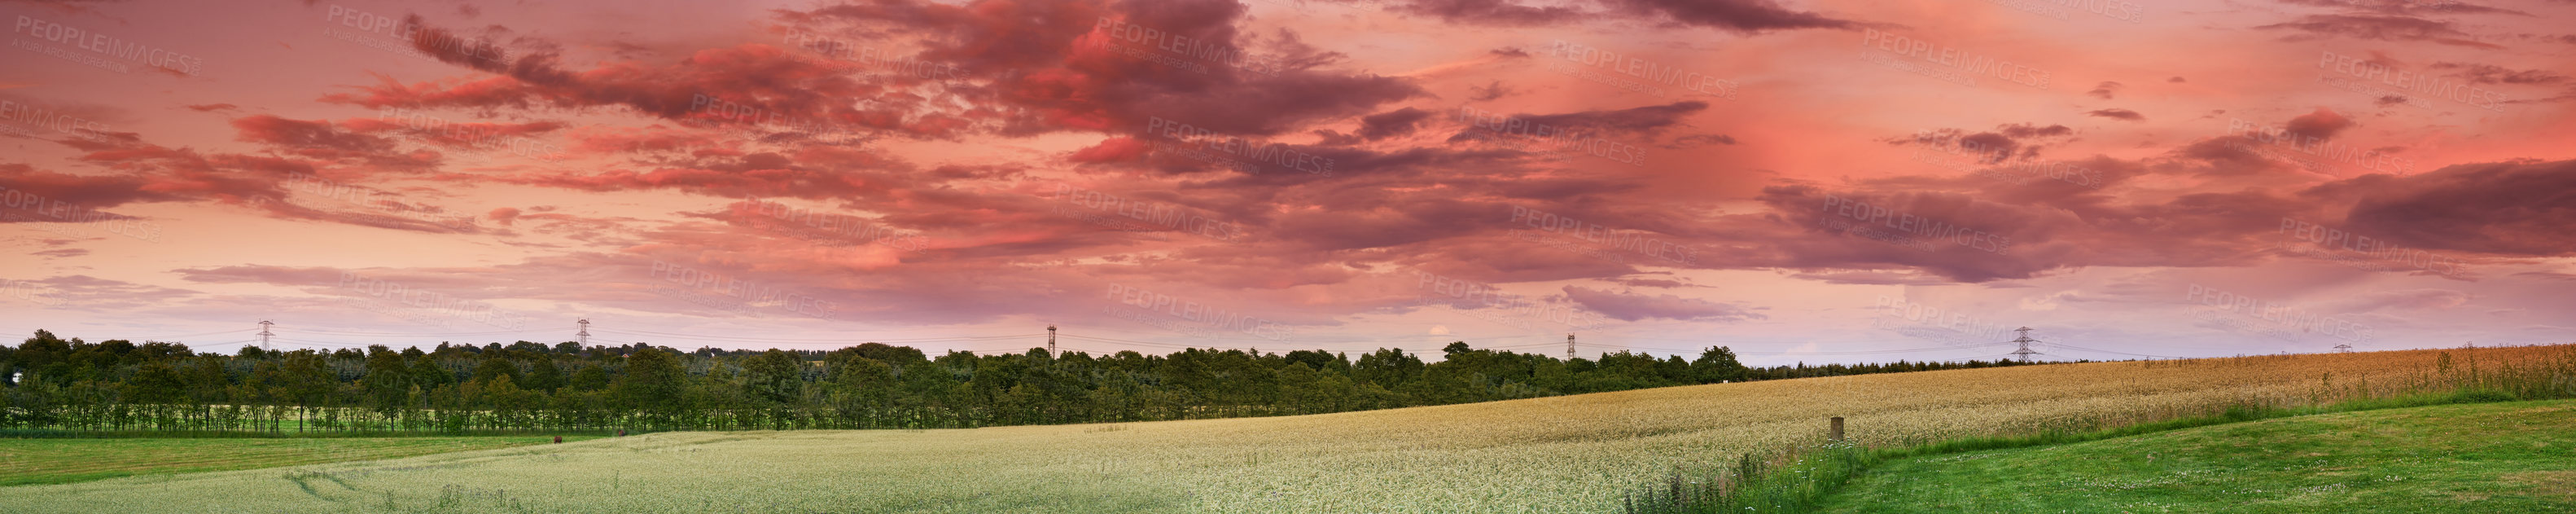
(1561, 454)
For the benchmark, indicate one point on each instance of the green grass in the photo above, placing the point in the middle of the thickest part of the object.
(66, 460)
(2489, 457)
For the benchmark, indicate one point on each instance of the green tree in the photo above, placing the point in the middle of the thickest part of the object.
(544, 375)
(862, 389)
(653, 384)
(40, 358)
(774, 376)
(1388, 367)
(426, 371)
(512, 407)
(156, 383)
(1717, 364)
(387, 379)
(495, 366)
(307, 381)
(592, 377)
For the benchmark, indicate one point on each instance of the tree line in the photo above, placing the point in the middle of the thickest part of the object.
(116, 385)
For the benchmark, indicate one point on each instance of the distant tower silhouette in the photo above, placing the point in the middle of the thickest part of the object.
(1050, 341)
(263, 335)
(2025, 340)
(584, 334)
(1569, 347)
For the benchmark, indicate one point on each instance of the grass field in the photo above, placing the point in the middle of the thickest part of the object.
(2493, 457)
(54, 461)
(1563, 454)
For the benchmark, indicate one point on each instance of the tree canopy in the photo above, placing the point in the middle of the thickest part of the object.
(117, 385)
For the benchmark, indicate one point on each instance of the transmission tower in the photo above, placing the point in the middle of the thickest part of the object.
(1569, 347)
(2025, 340)
(1050, 341)
(584, 334)
(263, 335)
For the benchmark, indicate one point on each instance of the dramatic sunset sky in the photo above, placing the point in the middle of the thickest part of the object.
(1819, 181)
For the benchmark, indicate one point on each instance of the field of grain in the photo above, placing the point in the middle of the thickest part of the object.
(1564, 454)
(47, 461)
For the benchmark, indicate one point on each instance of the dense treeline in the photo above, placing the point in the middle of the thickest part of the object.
(53, 383)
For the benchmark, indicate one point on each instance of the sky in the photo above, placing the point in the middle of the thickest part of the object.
(1800, 181)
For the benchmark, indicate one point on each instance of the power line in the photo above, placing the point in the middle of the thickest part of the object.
(833, 340)
(2068, 346)
(425, 334)
(157, 338)
(1853, 352)
(1165, 345)
(1185, 347)
(1103, 329)
(308, 341)
(210, 345)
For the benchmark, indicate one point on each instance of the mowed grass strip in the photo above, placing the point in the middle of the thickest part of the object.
(2496, 457)
(55, 461)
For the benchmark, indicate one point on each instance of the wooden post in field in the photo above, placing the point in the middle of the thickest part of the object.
(1835, 434)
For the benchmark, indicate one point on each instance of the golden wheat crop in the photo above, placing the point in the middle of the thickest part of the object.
(1562, 454)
